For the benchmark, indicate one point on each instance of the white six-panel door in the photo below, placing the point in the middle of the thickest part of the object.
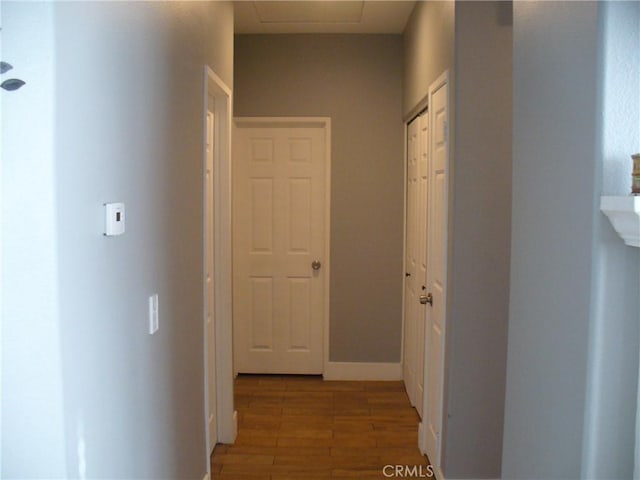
(280, 260)
(416, 258)
(412, 287)
(423, 198)
(431, 428)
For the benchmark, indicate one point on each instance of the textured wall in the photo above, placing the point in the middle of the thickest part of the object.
(555, 159)
(357, 81)
(615, 301)
(123, 103)
(573, 333)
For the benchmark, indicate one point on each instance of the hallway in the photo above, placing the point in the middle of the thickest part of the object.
(301, 427)
(541, 300)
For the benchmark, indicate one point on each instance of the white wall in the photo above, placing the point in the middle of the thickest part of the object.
(32, 397)
(120, 88)
(573, 331)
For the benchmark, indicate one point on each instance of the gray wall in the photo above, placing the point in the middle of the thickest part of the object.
(573, 330)
(615, 309)
(479, 35)
(357, 81)
(480, 254)
(554, 162)
(112, 111)
(428, 49)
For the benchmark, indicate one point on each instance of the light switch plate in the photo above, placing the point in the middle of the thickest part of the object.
(154, 319)
(114, 213)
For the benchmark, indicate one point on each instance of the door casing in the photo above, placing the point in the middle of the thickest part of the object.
(210, 407)
(226, 422)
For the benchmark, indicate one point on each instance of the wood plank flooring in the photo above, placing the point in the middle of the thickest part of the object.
(303, 428)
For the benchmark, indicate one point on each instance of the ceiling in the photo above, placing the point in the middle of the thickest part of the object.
(322, 16)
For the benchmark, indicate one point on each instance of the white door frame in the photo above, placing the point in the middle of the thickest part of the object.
(318, 122)
(1, 260)
(441, 81)
(226, 417)
(209, 303)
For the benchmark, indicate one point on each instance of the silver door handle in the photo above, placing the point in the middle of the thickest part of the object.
(316, 264)
(428, 298)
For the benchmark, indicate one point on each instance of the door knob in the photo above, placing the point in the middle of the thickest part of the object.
(316, 264)
(428, 298)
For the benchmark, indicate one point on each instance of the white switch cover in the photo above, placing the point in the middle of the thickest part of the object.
(154, 319)
(114, 219)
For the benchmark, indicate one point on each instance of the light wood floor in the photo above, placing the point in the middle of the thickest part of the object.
(300, 427)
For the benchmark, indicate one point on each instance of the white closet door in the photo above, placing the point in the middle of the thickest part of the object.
(411, 287)
(421, 277)
(436, 271)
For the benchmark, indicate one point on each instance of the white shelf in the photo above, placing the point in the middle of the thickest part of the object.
(624, 215)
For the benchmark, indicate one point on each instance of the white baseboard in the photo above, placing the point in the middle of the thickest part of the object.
(235, 426)
(423, 450)
(440, 476)
(206, 477)
(362, 371)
